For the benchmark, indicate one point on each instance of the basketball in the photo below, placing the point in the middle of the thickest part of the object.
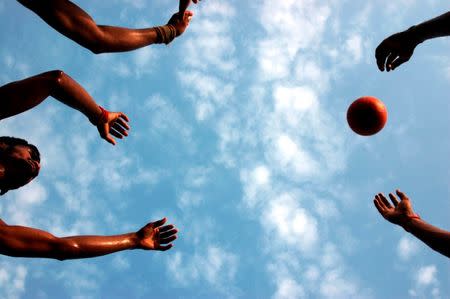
(367, 116)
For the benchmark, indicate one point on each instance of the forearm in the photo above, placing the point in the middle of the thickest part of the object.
(184, 4)
(19, 241)
(436, 27)
(434, 237)
(20, 96)
(69, 92)
(73, 22)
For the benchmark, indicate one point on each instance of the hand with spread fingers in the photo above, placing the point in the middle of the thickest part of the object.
(399, 212)
(157, 236)
(113, 123)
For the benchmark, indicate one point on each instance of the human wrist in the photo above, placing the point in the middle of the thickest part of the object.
(409, 221)
(415, 35)
(165, 34)
(134, 240)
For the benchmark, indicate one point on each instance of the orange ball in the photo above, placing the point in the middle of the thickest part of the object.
(367, 116)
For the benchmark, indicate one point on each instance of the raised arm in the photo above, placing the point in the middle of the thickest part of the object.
(73, 22)
(19, 96)
(399, 47)
(401, 213)
(184, 4)
(19, 241)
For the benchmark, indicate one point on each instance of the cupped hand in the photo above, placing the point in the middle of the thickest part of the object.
(399, 212)
(395, 50)
(157, 236)
(115, 124)
(181, 22)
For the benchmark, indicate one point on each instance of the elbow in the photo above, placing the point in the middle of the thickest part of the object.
(98, 50)
(95, 49)
(56, 78)
(66, 250)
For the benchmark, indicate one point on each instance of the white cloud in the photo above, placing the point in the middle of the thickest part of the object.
(120, 262)
(164, 119)
(189, 199)
(210, 92)
(287, 223)
(215, 266)
(80, 278)
(426, 275)
(288, 289)
(256, 184)
(407, 247)
(292, 158)
(210, 35)
(197, 177)
(284, 41)
(353, 46)
(21, 203)
(425, 283)
(334, 285)
(12, 279)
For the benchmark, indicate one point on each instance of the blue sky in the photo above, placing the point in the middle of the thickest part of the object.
(238, 137)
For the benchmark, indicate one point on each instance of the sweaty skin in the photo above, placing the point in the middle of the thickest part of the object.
(20, 241)
(399, 47)
(73, 22)
(402, 214)
(19, 96)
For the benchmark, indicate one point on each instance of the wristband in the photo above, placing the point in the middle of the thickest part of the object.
(165, 34)
(414, 216)
(103, 117)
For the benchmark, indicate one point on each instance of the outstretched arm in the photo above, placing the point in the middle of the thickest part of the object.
(401, 213)
(19, 96)
(73, 22)
(19, 241)
(399, 47)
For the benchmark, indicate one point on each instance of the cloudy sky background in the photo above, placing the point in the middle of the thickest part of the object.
(238, 137)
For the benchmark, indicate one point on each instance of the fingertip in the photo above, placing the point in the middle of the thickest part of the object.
(123, 115)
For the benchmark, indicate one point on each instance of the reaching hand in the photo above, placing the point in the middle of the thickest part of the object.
(184, 4)
(113, 123)
(151, 236)
(181, 23)
(395, 50)
(397, 214)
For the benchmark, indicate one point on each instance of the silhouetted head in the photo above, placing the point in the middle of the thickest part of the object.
(20, 161)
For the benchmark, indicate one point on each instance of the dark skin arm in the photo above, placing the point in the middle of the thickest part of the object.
(399, 47)
(73, 22)
(20, 241)
(19, 96)
(402, 214)
(184, 4)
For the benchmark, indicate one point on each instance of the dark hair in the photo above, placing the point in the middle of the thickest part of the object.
(13, 141)
(35, 155)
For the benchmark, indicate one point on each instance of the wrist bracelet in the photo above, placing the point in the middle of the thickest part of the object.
(410, 218)
(414, 216)
(103, 117)
(165, 34)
